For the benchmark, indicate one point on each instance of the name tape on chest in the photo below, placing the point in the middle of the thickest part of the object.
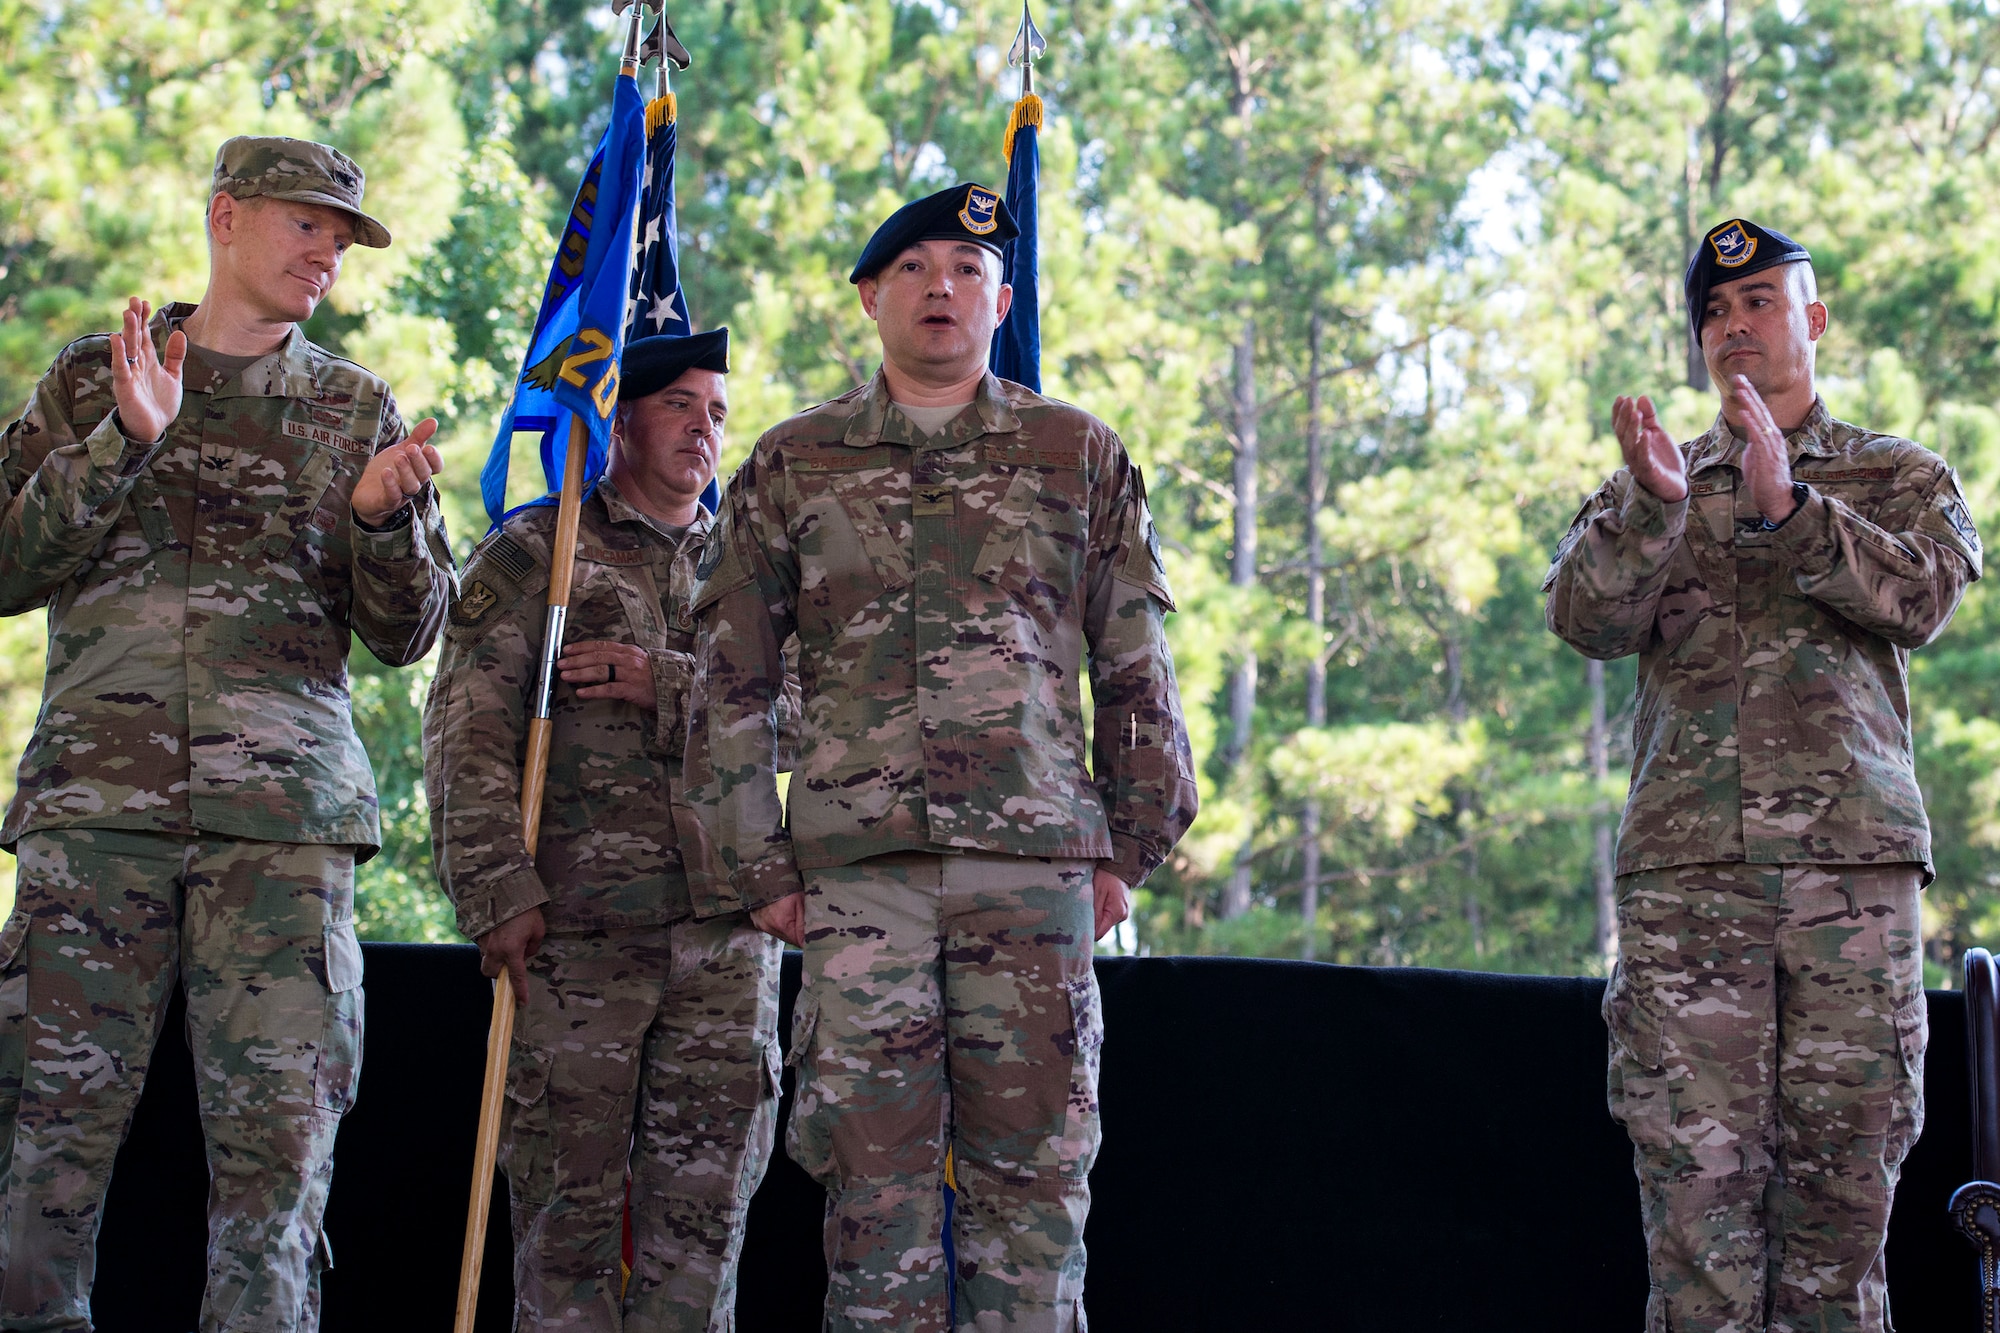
(845, 461)
(1848, 474)
(1033, 455)
(609, 555)
(317, 434)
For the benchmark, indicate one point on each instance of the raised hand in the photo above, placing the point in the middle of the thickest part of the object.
(1767, 464)
(147, 391)
(396, 474)
(1650, 452)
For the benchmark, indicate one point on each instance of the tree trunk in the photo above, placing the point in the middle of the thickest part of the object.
(1316, 613)
(1606, 935)
(1243, 574)
(1697, 368)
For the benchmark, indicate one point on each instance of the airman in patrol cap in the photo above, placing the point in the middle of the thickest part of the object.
(208, 507)
(949, 548)
(1767, 1010)
(646, 1049)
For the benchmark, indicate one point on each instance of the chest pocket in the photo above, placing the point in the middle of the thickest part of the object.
(1862, 489)
(639, 594)
(848, 534)
(156, 525)
(1035, 542)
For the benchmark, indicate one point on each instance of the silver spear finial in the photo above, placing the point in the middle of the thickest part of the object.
(1029, 46)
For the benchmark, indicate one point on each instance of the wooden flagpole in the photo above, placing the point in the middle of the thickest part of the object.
(534, 779)
(534, 776)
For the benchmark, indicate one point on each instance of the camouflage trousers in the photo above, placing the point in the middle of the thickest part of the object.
(645, 1056)
(949, 996)
(261, 935)
(1767, 1044)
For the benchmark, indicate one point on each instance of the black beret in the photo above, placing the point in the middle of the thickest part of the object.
(1734, 250)
(962, 213)
(651, 364)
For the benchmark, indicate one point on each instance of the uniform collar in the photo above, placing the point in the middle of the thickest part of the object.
(1722, 447)
(620, 510)
(293, 371)
(876, 423)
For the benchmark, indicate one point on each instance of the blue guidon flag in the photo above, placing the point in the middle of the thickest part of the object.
(572, 360)
(1017, 343)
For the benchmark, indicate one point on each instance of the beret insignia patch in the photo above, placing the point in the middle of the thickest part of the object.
(1734, 247)
(981, 213)
(473, 606)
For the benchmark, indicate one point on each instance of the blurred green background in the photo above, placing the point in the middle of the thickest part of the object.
(1355, 282)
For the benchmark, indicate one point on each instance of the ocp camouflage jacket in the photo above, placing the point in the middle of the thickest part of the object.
(944, 590)
(202, 593)
(610, 848)
(1773, 719)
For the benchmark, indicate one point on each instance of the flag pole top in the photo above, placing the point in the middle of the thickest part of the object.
(1029, 46)
(660, 45)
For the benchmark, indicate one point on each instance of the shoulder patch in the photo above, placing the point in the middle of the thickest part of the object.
(510, 557)
(476, 603)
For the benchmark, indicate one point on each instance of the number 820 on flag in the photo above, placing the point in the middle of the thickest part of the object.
(597, 346)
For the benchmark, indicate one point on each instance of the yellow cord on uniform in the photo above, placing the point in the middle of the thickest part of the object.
(1027, 112)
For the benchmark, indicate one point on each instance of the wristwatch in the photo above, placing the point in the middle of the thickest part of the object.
(1800, 493)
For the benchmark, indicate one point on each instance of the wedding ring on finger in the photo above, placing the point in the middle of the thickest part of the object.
(611, 673)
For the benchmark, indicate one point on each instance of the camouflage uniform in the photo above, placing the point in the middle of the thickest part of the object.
(644, 1017)
(1767, 1012)
(942, 820)
(194, 798)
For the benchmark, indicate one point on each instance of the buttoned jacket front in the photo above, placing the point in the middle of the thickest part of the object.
(946, 591)
(202, 591)
(1773, 721)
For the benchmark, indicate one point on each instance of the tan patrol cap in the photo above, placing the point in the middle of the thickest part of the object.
(298, 170)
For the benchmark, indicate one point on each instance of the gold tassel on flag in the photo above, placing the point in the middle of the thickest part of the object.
(662, 110)
(1027, 115)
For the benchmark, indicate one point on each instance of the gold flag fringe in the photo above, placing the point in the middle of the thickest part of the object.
(1027, 112)
(661, 111)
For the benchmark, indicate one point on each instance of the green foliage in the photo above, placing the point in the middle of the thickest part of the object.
(1476, 213)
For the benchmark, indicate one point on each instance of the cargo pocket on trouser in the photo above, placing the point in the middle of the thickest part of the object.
(763, 1123)
(1637, 1087)
(13, 1044)
(809, 1135)
(339, 1072)
(527, 1135)
(1083, 1132)
(1906, 1122)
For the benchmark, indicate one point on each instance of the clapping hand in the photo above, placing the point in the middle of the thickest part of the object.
(1650, 453)
(1767, 465)
(396, 474)
(147, 390)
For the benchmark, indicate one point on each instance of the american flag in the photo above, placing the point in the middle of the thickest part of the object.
(655, 304)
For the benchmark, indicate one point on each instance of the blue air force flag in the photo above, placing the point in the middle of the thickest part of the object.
(1017, 343)
(572, 360)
